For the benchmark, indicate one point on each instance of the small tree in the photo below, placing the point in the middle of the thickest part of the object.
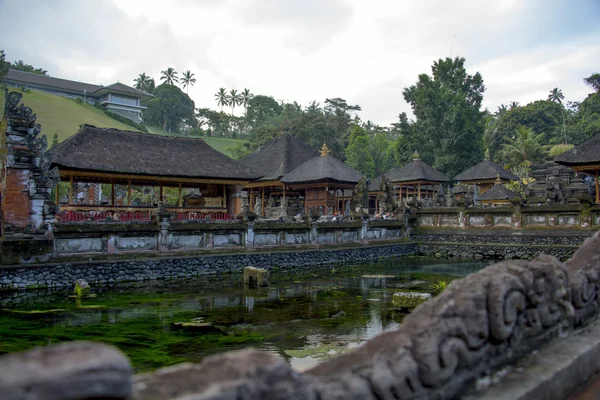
(358, 155)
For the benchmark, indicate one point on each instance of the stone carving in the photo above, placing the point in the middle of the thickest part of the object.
(258, 206)
(360, 195)
(440, 198)
(27, 158)
(479, 323)
(245, 206)
(387, 197)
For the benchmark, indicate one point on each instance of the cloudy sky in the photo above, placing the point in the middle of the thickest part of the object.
(365, 51)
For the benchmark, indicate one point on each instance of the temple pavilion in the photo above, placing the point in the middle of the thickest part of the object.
(324, 179)
(584, 158)
(124, 175)
(484, 175)
(415, 177)
(497, 195)
(269, 164)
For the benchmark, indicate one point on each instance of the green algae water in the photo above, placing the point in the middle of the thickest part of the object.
(305, 316)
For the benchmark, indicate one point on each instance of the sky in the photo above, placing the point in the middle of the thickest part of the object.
(365, 51)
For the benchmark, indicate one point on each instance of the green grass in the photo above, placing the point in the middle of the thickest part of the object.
(221, 144)
(64, 116)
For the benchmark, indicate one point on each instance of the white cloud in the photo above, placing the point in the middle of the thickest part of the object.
(303, 50)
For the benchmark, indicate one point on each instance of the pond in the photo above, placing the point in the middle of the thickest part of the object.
(305, 316)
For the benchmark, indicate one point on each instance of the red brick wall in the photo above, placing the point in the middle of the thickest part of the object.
(17, 205)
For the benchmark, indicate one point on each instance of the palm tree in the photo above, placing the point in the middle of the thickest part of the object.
(169, 76)
(234, 99)
(246, 97)
(222, 99)
(557, 96)
(526, 147)
(188, 80)
(502, 108)
(514, 104)
(144, 82)
(593, 81)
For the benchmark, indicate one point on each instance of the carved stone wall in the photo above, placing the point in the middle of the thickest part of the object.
(28, 180)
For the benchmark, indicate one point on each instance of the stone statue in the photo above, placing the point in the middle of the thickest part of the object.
(258, 207)
(440, 199)
(271, 201)
(387, 197)
(358, 195)
(245, 206)
(450, 199)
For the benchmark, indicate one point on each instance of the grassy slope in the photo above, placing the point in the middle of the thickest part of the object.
(221, 144)
(64, 116)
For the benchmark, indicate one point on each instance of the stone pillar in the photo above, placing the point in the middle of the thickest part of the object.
(250, 234)
(516, 217)
(163, 234)
(586, 217)
(364, 229)
(312, 236)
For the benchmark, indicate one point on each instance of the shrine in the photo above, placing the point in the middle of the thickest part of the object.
(416, 178)
(485, 174)
(110, 174)
(497, 195)
(267, 195)
(584, 158)
(324, 179)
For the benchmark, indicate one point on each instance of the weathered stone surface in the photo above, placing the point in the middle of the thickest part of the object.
(256, 277)
(66, 371)
(409, 299)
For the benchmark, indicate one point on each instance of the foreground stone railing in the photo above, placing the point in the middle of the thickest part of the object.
(478, 324)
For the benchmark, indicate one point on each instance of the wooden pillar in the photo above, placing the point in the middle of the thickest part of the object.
(129, 193)
(337, 205)
(225, 196)
(160, 191)
(376, 204)
(57, 194)
(399, 193)
(419, 190)
(262, 200)
(179, 197)
(71, 191)
(112, 194)
(597, 189)
(251, 199)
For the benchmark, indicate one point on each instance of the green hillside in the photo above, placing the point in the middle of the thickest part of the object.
(64, 116)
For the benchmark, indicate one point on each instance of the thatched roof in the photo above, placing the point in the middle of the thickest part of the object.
(323, 168)
(126, 152)
(279, 157)
(375, 184)
(498, 192)
(486, 170)
(416, 170)
(587, 152)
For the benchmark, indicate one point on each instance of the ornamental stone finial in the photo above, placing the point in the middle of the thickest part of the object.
(325, 150)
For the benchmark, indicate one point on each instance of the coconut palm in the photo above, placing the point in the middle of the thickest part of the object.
(526, 147)
(234, 99)
(557, 96)
(169, 76)
(144, 82)
(188, 80)
(502, 108)
(514, 104)
(593, 81)
(222, 98)
(246, 97)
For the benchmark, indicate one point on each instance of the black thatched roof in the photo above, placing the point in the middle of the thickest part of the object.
(416, 170)
(279, 157)
(498, 192)
(322, 169)
(375, 184)
(113, 150)
(486, 170)
(587, 152)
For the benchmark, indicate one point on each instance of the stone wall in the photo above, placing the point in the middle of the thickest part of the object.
(102, 273)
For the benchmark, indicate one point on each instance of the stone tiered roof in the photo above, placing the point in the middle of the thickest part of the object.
(126, 152)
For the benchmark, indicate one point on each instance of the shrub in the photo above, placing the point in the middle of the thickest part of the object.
(559, 149)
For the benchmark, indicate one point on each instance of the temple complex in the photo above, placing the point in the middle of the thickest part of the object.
(323, 179)
(123, 175)
(268, 195)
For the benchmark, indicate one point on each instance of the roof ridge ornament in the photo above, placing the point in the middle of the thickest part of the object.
(498, 181)
(416, 156)
(325, 150)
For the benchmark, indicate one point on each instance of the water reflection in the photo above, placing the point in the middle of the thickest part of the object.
(305, 316)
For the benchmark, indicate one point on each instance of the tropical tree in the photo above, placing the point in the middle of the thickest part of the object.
(21, 66)
(221, 98)
(449, 124)
(4, 65)
(557, 96)
(171, 109)
(593, 81)
(188, 80)
(246, 97)
(358, 155)
(514, 104)
(169, 76)
(234, 99)
(144, 83)
(526, 147)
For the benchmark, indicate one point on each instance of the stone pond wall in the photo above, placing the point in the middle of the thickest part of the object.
(102, 273)
(476, 327)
